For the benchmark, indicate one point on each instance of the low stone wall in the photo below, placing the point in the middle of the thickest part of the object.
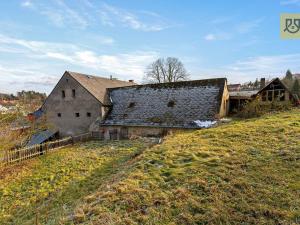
(120, 132)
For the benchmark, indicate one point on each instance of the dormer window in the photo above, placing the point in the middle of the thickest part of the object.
(171, 104)
(63, 94)
(131, 105)
(73, 93)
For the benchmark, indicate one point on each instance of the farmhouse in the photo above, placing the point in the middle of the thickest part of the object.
(154, 109)
(77, 101)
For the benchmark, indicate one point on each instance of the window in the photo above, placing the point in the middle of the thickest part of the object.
(77, 114)
(171, 104)
(282, 95)
(58, 114)
(73, 93)
(63, 94)
(131, 105)
(270, 96)
(67, 80)
(88, 114)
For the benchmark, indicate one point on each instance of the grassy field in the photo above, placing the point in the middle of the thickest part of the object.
(245, 172)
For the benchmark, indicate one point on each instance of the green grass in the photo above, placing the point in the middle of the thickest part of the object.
(245, 172)
(45, 188)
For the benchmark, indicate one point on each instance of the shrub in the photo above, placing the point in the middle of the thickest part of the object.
(256, 108)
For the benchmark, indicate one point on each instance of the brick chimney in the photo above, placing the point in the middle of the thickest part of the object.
(262, 82)
(111, 77)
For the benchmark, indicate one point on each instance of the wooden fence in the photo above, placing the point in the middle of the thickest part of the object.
(16, 155)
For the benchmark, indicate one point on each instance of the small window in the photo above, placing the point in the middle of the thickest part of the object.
(131, 105)
(88, 114)
(58, 114)
(77, 114)
(282, 95)
(171, 104)
(67, 80)
(63, 94)
(73, 93)
(270, 96)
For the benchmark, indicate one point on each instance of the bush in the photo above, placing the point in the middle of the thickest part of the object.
(256, 108)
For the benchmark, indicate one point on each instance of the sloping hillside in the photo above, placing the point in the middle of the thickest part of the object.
(245, 172)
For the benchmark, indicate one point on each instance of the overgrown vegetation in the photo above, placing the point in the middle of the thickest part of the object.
(257, 108)
(245, 172)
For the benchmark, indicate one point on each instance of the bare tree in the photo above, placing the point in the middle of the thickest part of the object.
(166, 70)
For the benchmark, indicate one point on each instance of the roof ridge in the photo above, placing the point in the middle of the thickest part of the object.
(177, 83)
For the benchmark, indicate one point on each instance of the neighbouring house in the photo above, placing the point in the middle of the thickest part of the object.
(234, 87)
(154, 109)
(275, 90)
(77, 101)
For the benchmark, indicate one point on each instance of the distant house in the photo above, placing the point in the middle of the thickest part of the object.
(297, 75)
(77, 101)
(275, 90)
(152, 109)
(234, 87)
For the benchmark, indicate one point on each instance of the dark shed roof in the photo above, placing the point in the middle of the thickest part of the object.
(177, 104)
(41, 137)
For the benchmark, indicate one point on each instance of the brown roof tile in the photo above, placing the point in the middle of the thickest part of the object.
(97, 85)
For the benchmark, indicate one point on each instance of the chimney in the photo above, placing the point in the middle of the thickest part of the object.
(111, 77)
(262, 82)
(131, 81)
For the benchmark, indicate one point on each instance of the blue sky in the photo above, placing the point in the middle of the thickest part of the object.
(239, 40)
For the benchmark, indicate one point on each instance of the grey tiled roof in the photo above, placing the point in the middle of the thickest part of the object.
(166, 105)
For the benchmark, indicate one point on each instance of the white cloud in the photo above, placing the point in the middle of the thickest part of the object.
(210, 37)
(232, 31)
(143, 20)
(217, 36)
(48, 58)
(58, 13)
(27, 4)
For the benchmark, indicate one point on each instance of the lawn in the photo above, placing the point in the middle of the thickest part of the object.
(244, 172)
(45, 188)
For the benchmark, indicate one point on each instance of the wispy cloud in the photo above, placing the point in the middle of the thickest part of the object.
(234, 29)
(217, 36)
(123, 65)
(58, 13)
(248, 26)
(142, 20)
(290, 2)
(27, 3)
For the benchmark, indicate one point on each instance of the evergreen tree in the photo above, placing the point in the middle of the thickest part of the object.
(288, 79)
(289, 75)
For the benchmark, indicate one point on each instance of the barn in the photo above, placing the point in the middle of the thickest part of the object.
(154, 109)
